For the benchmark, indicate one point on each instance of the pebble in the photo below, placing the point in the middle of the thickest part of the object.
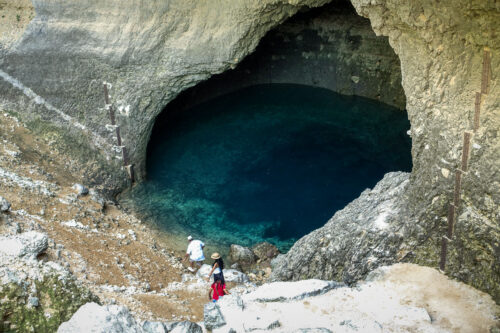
(33, 301)
(80, 189)
(4, 205)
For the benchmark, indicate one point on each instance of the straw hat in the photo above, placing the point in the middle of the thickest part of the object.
(215, 255)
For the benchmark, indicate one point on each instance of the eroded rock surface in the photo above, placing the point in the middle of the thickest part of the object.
(148, 53)
(398, 298)
(441, 47)
(92, 317)
(29, 244)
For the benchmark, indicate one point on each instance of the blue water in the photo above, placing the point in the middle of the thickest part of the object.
(269, 162)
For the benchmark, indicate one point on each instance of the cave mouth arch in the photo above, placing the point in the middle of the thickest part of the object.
(303, 60)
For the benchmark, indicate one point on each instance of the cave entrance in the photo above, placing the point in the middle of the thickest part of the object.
(270, 150)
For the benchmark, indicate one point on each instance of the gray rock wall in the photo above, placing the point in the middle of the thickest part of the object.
(441, 50)
(330, 47)
(149, 52)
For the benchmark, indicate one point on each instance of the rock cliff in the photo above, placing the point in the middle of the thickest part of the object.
(330, 47)
(151, 52)
(442, 50)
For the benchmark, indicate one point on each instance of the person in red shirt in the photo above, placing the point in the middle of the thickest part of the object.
(217, 290)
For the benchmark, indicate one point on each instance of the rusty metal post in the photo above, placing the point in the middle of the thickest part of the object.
(486, 72)
(458, 185)
(451, 220)
(444, 250)
(477, 111)
(125, 156)
(454, 207)
(118, 136)
(466, 150)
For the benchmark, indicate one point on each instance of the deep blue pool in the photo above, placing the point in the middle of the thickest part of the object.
(269, 162)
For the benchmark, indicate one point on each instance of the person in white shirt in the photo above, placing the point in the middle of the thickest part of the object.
(195, 253)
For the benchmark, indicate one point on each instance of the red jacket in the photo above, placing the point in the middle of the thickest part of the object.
(218, 290)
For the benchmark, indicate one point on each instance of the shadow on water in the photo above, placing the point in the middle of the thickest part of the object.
(269, 162)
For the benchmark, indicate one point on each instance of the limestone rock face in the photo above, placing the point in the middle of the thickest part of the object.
(212, 316)
(397, 298)
(441, 47)
(30, 289)
(330, 47)
(367, 233)
(287, 291)
(147, 52)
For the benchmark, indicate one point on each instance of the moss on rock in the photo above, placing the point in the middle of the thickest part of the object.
(43, 308)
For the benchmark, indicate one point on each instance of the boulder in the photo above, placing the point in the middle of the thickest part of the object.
(4, 205)
(171, 327)
(203, 271)
(29, 244)
(236, 266)
(232, 275)
(242, 255)
(265, 251)
(92, 317)
(212, 316)
(186, 327)
(154, 327)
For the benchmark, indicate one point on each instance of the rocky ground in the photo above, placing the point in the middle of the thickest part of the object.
(109, 251)
(61, 248)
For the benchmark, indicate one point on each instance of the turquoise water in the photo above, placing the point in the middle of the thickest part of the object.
(269, 162)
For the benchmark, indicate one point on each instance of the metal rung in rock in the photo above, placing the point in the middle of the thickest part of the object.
(477, 111)
(465, 150)
(485, 78)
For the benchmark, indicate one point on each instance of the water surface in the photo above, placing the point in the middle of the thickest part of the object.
(269, 162)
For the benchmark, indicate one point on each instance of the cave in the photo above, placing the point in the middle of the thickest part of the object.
(164, 63)
(271, 149)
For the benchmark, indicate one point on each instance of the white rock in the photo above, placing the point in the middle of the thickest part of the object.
(92, 317)
(75, 224)
(185, 327)
(284, 291)
(132, 234)
(154, 327)
(4, 205)
(232, 275)
(29, 244)
(80, 189)
(212, 316)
